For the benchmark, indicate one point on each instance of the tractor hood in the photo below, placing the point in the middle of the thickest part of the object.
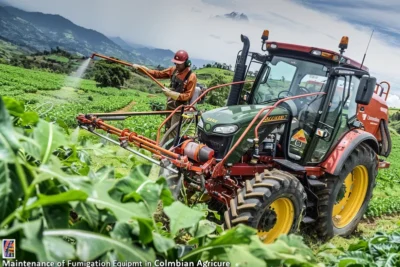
(240, 116)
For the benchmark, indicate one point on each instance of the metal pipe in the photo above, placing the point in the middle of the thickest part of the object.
(139, 113)
(130, 150)
(218, 170)
(129, 65)
(191, 106)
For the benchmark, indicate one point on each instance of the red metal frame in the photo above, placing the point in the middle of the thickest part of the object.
(308, 49)
(191, 106)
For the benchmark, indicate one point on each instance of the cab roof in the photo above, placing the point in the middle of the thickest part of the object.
(324, 53)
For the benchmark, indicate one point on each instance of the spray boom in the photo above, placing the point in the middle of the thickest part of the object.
(144, 70)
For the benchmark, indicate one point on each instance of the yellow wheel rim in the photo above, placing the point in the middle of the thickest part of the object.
(351, 197)
(283, 209)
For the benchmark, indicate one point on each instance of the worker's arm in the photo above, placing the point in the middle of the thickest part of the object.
(187, 94)
(161, 74)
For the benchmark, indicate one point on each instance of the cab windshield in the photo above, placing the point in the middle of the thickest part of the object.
(284, 77)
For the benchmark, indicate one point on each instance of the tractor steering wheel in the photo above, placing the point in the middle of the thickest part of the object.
(301, 91)
(285, 91)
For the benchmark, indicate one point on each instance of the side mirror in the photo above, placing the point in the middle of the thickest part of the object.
(365, 90)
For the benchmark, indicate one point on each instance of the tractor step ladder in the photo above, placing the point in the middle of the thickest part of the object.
(316, 183)
(290, 165)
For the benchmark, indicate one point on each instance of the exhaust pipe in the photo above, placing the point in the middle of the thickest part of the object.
(240, 70)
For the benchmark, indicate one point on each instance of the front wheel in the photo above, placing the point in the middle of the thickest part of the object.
(273, 202)
(345, 199)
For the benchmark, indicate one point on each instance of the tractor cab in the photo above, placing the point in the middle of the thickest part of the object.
(316, 91)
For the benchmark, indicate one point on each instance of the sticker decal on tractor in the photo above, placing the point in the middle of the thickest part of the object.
(275, 118)
(300, 136)
(212, 120)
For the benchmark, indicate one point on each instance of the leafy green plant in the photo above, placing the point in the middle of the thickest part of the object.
(381, 250)
(56, 214)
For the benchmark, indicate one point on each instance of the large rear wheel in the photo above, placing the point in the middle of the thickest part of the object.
(345, 199)
(273, 202)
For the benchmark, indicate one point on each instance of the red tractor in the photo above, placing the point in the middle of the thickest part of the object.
(282, 153)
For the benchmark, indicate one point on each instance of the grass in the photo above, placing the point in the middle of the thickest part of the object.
(393, 110)
(206, 74)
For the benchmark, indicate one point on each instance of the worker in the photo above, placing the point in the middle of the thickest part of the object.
(182, 87)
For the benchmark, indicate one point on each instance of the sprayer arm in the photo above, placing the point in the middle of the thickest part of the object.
(143, 69)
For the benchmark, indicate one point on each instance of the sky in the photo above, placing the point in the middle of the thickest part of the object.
(191, 25)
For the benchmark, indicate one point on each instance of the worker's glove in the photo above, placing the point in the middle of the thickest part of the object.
(170, 93)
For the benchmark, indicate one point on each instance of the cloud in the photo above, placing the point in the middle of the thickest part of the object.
(172, 25)
(222, 3)
(393, 101)
(215, 36)
(196, 10)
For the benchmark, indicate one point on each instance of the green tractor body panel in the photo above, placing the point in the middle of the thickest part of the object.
(241, 116)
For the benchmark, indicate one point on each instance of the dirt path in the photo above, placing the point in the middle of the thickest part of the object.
(126, 108)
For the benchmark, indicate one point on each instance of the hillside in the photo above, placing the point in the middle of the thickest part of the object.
(40, 31)
(46, 31)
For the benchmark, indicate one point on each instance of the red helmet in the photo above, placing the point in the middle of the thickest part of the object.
(180, 57)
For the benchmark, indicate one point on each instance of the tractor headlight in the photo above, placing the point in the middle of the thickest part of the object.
(227, 129)
(200, 124)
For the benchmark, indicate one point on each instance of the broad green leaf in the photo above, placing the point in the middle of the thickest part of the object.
(91, 246)
(150, 193)
(10, 190)
(49, 137)
(241, 234)
(356, 257)
(71, 195)
(139, 190)
(29, 118)
(124, 231)
(46, 248)
(203, 228)
(73, 182)
(56, 216)
(146, 228)
(15, 108)
(181, 216)
(123, 211)
(240, 256)
(8, 142)
(161, 243)
(63, 125)
(88, 212)
(166, 195)
(74, 136)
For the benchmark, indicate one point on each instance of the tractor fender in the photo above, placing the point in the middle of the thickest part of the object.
(335, 161)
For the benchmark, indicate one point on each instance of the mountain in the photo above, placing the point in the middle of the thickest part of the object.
(40, 31)
(44, 31)
(234, 16)
(129, 46)
(160, 56)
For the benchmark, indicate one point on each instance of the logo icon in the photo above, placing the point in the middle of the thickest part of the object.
(8, 246)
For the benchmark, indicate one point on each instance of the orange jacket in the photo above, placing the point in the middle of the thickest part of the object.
(188, 89)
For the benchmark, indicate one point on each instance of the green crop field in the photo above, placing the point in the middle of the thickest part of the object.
(58, 58)
(49, 167)
(393, 110)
